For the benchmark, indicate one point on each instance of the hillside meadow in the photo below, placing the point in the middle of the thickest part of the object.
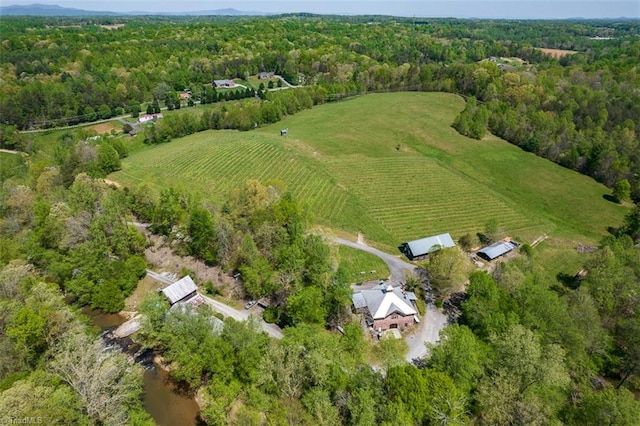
(390, 167)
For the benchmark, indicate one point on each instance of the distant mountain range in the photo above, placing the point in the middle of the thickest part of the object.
(55, 10)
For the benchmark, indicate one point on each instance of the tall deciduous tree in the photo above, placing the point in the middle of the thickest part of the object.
(460, 355)
(525, 380)
(94, 374)
(622, 190)
(447, 268)
(202, 232)
(488, 309)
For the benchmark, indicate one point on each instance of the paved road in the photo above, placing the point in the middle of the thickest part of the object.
(428, 331)
(120, 118)
(286, 83)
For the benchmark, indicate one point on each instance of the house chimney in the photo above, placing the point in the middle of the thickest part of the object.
(390, 289)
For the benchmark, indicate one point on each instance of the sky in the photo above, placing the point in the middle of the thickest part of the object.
(499, 9)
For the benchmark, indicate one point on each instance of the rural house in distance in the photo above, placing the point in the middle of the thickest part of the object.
(386, 307)
(418, 249)
(224, 83)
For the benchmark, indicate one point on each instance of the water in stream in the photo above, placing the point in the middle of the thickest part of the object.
(162, 399)
(165, 403)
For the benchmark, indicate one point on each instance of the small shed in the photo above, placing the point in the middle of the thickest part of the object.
(496, 250)
(358, 301)
(181, 290)
(422, 247)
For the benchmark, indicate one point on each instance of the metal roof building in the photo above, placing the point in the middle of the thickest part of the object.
(424, 246)
(180, 290)
(224, 83)
(496, 250)
(383, 301)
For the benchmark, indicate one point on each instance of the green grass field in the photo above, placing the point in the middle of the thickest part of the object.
(356, 262)
(389, 166)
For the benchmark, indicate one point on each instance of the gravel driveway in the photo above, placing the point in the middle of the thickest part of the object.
(226, 310)
(434, 320)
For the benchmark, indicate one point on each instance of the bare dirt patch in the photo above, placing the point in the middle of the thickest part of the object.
(162, 258)
(556, 53)
(112, 183)
(105, 128)
(111, 27)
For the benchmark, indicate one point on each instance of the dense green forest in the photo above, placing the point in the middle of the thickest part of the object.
(527, 348)
(580, 111)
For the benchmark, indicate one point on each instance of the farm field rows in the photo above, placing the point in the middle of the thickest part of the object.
(406, 193)
(388, 166)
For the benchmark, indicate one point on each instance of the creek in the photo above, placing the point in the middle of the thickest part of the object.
(165, 402)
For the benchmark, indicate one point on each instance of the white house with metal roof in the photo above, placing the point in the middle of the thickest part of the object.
(424, 246)
(389, 307)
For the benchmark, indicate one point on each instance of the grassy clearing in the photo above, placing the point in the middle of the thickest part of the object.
(106, 128)
(357, 261)
(12, 165)
(254, 81)
(389, 166)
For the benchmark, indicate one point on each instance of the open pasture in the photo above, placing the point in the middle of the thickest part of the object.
(389, 166)
(556, 53)
(106, 127)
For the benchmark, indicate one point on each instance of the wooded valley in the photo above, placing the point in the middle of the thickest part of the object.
(530, 341)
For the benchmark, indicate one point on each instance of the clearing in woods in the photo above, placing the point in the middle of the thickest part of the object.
(389, 166)
(106, 128)
(556, 53)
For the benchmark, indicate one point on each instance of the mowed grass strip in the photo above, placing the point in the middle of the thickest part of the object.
(536, 196)
(355, 262)
(391, 167)
(215, 163)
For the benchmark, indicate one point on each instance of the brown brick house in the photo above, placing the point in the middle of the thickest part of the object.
(386, 307)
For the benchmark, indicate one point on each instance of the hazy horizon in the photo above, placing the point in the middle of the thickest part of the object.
(501, 9)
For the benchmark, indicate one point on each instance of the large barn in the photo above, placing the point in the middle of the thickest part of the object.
(419, 248)
(496, 250)
(389, 307)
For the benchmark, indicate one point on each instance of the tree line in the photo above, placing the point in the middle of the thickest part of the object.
(580, 111)
(527, 349)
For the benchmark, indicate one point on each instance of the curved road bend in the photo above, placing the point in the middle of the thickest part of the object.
(433, 320)
(397, 266)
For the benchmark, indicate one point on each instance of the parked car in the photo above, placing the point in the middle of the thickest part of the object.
(250, 304)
